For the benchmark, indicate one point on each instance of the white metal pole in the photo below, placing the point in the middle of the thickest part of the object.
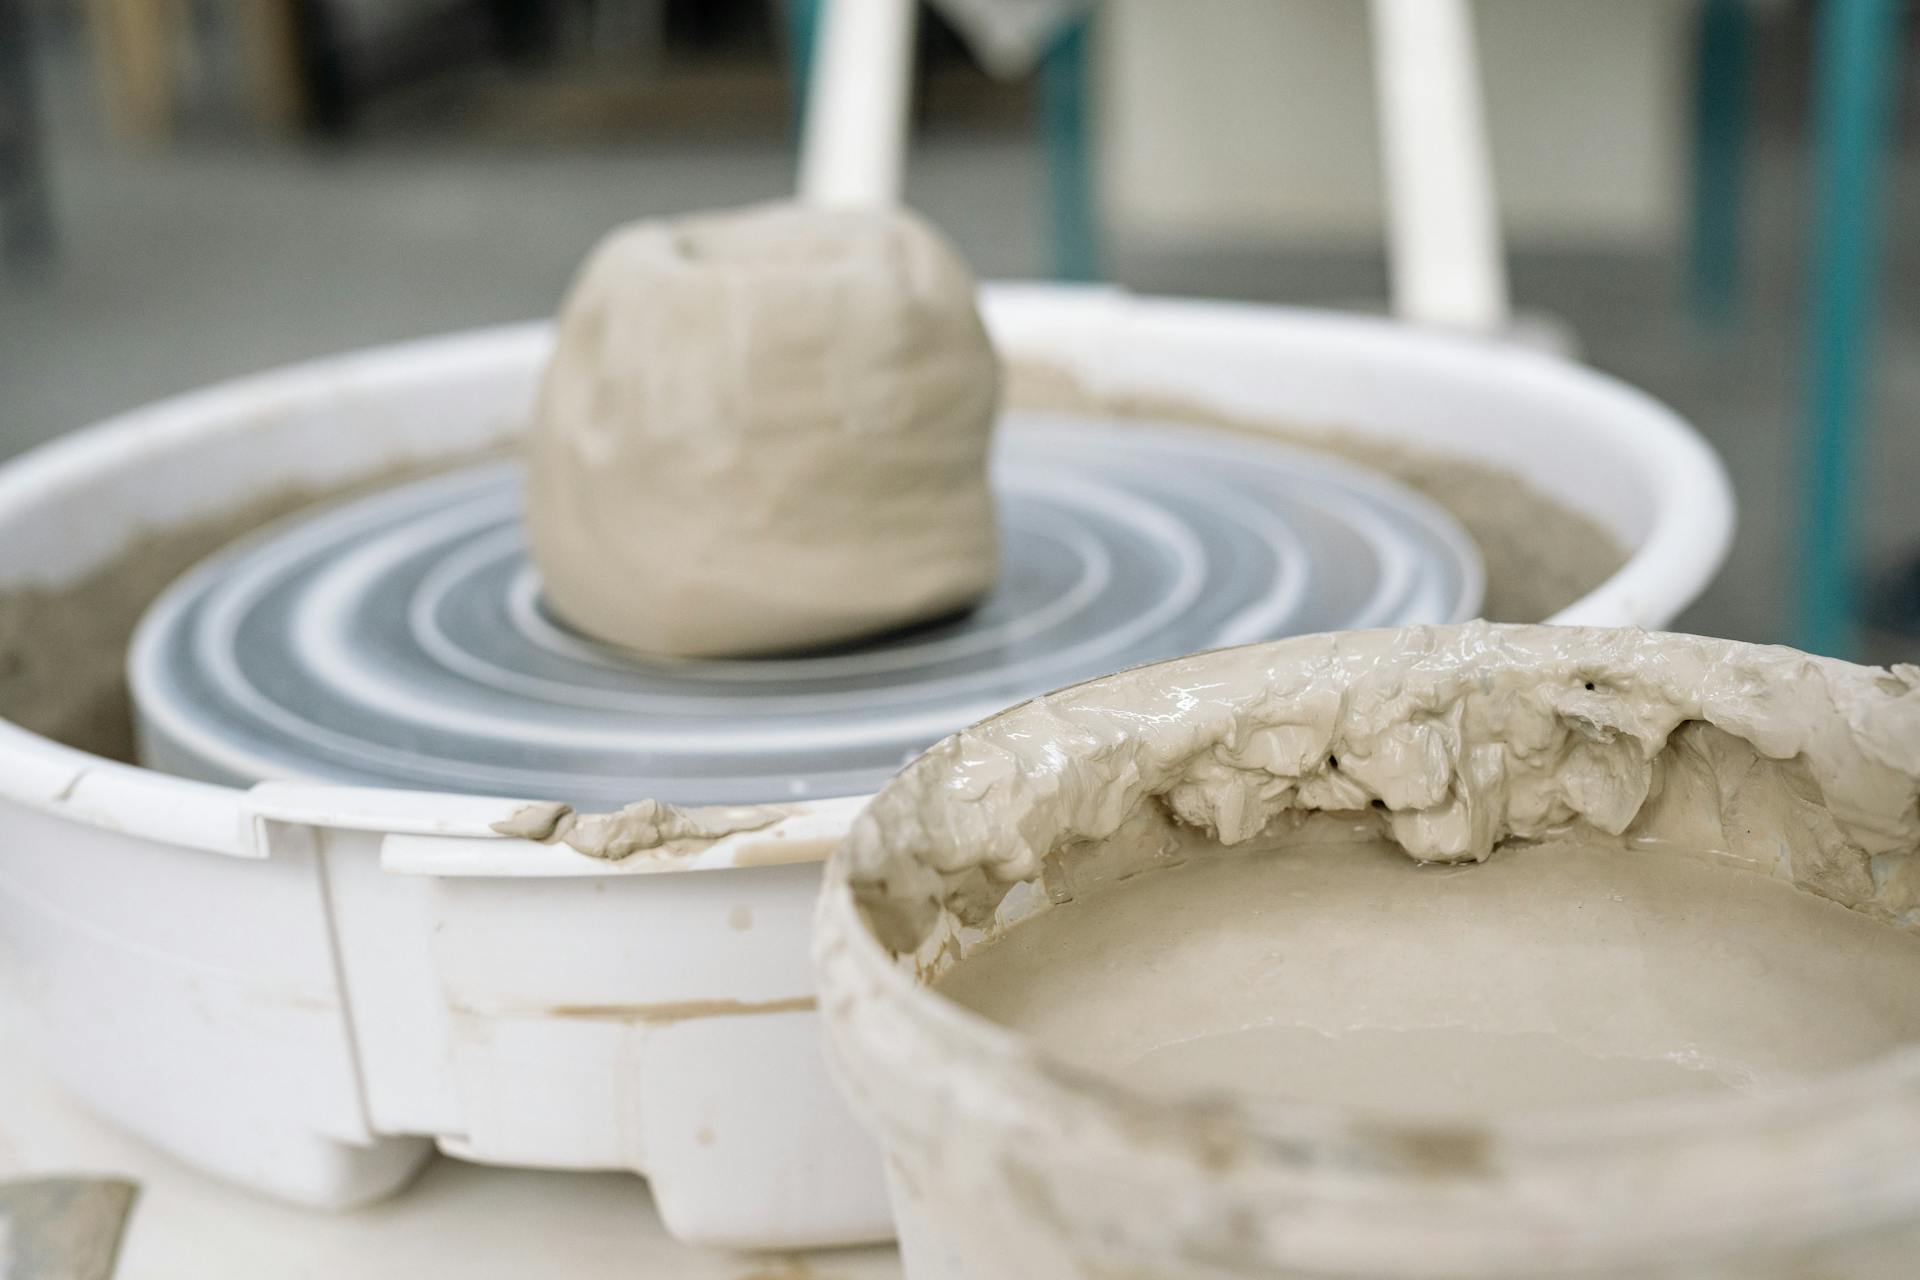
(854, 144)
(1444, 245)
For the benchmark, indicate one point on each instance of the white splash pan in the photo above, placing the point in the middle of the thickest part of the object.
(305, 989)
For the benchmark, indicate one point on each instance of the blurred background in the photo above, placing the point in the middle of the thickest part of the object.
(193, 189)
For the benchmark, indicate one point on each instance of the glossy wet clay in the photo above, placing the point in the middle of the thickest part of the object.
(1563, 972)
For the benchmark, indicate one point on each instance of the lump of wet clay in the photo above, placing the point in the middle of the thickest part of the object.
(764, 430)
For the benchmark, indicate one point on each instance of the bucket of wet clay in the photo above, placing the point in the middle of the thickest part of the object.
(1475, 951)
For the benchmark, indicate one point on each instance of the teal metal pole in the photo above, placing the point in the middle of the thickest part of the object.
(1723, 104)
(1854, 72)
(803, 28)
(1073, 217)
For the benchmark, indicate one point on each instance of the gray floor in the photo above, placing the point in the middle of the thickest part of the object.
(217, 258)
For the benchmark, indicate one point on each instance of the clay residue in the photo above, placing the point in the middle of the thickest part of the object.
(679, 1010)
(540, 821)
(1448, 741)
(646, 826)
(1540, 554)
(63, 649)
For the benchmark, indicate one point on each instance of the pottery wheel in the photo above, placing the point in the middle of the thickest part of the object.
(401, 639)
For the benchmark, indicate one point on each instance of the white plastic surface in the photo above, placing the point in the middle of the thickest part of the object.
(304, 989)
(456, 1219)
(854, 148)
(1443, 220)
